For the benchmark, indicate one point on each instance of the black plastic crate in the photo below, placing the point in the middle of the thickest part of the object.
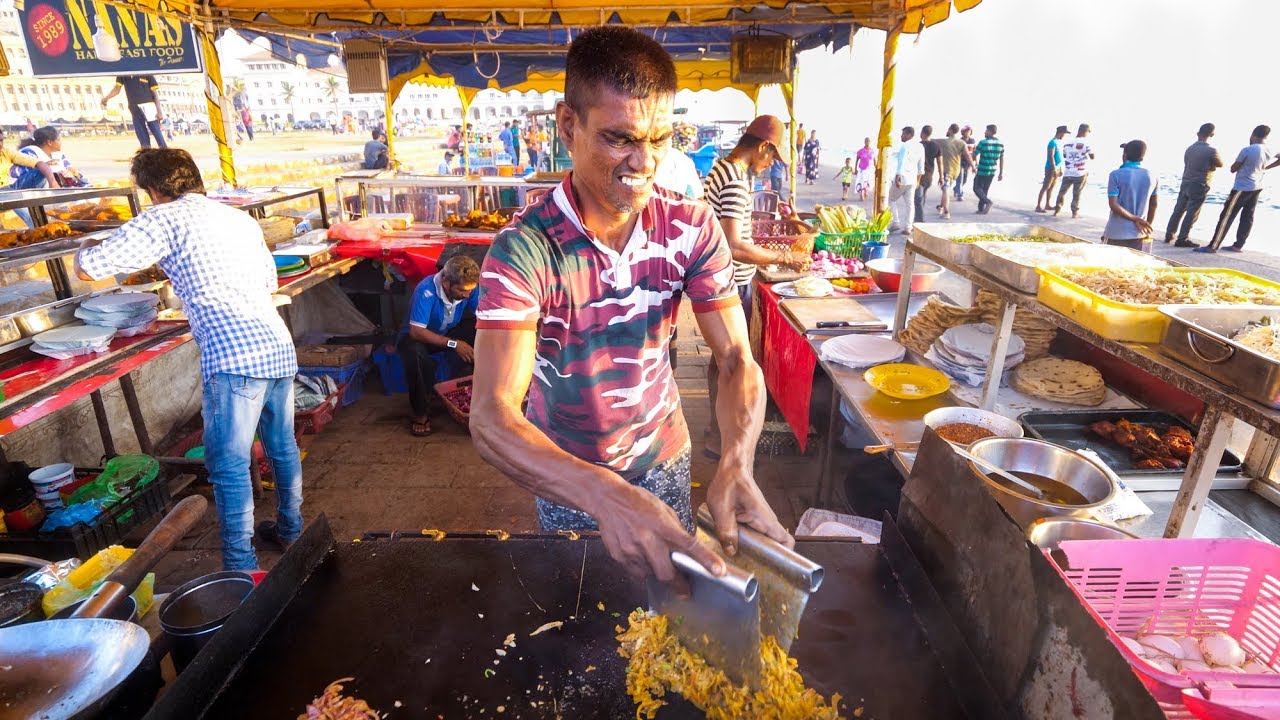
(109, 528)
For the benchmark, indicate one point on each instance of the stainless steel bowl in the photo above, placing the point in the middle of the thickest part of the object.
(1048, 460)
(1047, 532)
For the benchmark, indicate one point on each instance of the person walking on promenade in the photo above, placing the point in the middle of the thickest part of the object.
(954, 155)
(908, 168)
(990, 158)
(931, 153)
(966, 162)
(845, 177)
(1198, 163)
(1075, 169)
(1052, 169)
(1249, 166)
(866, 177)
(1131, 195)
(812, 152)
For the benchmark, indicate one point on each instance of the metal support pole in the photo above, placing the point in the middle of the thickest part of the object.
(104, 424)
(1211, 441)
(791, 112)
(135, 413)
(885, 138)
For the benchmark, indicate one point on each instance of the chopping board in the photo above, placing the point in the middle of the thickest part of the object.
(780, 275)
(806, 313)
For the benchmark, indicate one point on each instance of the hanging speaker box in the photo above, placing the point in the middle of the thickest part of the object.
(761, 59)
(366, 66)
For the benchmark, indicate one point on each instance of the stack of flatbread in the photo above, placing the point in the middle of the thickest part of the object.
(1064, 381)
(932, 320)
(1038, 333)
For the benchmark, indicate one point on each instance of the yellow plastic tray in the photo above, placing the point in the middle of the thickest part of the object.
(907, 382)
(1125, 322)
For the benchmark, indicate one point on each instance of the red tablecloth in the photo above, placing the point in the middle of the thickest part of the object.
(415, 257)
(788, 363)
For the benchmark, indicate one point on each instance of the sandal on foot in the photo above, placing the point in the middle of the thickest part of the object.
(420, 428)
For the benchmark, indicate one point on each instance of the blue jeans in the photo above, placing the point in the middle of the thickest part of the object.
(235, 408)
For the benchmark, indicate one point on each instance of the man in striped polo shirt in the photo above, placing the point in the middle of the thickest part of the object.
(578, 298)
(727, 188)
(990, 157)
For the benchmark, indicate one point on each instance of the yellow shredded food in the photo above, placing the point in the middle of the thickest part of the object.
(1162, 286)
(658, 663)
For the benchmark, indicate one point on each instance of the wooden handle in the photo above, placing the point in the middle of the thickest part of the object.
(159, 542)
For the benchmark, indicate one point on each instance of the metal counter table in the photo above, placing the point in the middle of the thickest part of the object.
(1222, 405)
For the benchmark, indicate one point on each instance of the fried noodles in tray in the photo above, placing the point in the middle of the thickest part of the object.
(1262, 338)
(658, 663)
(1155, 286)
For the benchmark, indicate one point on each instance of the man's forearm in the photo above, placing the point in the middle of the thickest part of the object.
(740, 405)
(522, 452)
(427, 337)
(753, 254)
(1151, 210)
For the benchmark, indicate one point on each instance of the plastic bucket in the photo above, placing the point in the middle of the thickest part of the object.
(48, 480)
(193, 613)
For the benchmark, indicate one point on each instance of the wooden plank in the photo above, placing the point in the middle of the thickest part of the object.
(999, 350)
(1211, 441)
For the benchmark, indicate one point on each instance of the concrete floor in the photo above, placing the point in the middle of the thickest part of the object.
(365, 472)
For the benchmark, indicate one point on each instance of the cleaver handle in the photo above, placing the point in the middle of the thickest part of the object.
(736, 581)
(796, 568)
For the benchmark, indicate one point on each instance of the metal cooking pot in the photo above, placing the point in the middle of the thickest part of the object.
(1083, 474)
(195, 612)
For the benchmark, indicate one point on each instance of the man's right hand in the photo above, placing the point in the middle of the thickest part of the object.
(640, 532)
(466, 352)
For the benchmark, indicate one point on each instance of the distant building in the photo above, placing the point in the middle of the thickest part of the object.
(78, 99)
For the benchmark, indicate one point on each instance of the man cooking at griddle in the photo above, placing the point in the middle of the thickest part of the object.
(578, 300)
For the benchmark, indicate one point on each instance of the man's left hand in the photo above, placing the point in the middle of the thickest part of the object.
(1144, 227)
(735, 498)
(1000, 177)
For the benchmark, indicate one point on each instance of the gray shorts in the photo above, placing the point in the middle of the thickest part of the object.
(669, 481)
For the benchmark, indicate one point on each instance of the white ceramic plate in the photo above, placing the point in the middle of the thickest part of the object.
(861, 351)
(974, 340)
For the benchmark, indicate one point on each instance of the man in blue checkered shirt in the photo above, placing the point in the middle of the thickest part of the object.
(221, 269)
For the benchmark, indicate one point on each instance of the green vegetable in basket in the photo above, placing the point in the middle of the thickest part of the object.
(840, 219)
(882, 221)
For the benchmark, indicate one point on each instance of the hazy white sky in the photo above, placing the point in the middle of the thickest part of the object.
(1149, 69)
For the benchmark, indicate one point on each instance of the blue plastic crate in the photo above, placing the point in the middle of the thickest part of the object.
(391, 370)
(350, 375)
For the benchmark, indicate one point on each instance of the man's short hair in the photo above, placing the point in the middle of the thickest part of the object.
(169, 172)
(992, 129)
(909, 130)
(1207, 129)
(1134, 150)
(461, 270)
(377, 133)
(926, 130)
(620, 59)
(953, 128)
(1084, 127)
(1261, 132)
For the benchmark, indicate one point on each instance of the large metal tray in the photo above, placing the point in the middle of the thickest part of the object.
(1070, 429)
(936, 238)
(1200, 337)
(1021, 276)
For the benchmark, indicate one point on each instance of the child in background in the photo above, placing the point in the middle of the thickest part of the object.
(845, 176)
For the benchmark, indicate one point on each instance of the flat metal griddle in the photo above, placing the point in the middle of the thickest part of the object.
(400, 615)
(1071, 429)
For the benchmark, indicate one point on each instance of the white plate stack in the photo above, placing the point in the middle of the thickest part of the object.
(128, 313)
(964, 352)
(71, 341)
(861, 351)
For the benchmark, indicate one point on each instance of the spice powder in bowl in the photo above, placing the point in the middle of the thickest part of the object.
(964, 433)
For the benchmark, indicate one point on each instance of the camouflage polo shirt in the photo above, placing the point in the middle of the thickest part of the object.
(603, 389)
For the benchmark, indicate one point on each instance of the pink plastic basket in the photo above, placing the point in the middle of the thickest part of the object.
(1182, 587)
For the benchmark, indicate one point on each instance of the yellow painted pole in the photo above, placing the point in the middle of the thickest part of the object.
(791, 111)
(885, 139)
(219, 107)
(466, 146)
(392, 163)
